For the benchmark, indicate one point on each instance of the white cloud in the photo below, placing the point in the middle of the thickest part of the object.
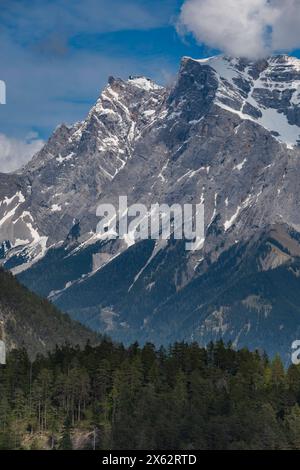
(251, 28)
(286, 31)
(15, 153)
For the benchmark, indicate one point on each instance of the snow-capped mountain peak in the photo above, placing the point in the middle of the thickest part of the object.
(144, 83)
(266, 92)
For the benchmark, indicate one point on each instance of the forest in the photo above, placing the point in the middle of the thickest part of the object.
(185, 397)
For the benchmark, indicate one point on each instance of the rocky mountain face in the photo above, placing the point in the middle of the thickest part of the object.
(227, 132)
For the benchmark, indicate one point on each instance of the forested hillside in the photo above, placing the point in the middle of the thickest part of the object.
(109, 397)
(29, 321)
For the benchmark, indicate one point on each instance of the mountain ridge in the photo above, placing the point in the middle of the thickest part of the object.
(34, 323)
(226, 132)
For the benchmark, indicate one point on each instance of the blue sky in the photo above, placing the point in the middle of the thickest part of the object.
(56, 56)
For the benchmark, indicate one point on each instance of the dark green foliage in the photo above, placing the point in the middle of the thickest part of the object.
(109, 397)
(66, 443)
(34, 323)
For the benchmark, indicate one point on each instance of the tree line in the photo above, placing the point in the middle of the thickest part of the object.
(184, 397)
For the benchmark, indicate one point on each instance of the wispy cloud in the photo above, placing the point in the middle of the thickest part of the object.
(252, 28)
(43, 93)
(51, 78)
(68, 18)
(15, 153)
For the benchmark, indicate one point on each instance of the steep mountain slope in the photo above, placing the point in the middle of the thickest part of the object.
(31, 322)
(249, 296)
(64, 181)
(226, 133)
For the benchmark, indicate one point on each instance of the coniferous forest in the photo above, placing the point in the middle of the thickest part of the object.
(110, 397)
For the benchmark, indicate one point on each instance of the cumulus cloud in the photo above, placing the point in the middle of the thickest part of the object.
(15, 153)
(251, 28)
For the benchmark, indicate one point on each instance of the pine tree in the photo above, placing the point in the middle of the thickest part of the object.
(66, 442)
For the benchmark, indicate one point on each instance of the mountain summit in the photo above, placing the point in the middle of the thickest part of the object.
(226, 132)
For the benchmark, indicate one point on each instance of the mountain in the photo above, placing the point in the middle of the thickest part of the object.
(227, 133)
(34, 323)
